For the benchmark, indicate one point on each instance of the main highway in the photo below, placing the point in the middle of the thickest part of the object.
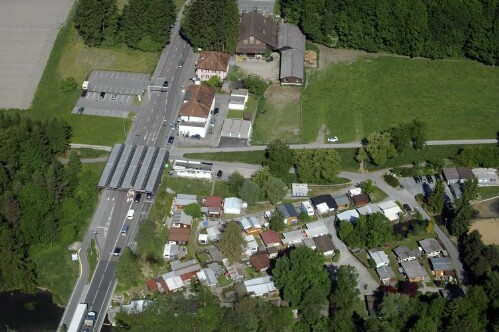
(151, 127)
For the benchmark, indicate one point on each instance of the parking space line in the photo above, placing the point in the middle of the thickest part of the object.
(133, 77)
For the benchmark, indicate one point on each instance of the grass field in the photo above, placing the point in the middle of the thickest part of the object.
(457, 99)
(90, 153)
(92, 256)
(71, 58)
(278, 116)
(188, 186)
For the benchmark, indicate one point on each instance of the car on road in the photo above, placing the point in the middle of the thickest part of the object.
(138, 196)
(429, 179)
(219, 174)
(332, 139)
(102, 95)
(84, 93)
(170, 139)
(181, 63)
(407, 208)
(196, 136)
(117, 251)
(165, 84)
(81, 110)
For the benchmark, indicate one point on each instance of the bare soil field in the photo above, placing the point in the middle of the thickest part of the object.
(335, 55)
(487, 221)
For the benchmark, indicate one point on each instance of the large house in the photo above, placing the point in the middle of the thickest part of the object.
(195, 112)
(211, 64)
(258, 34)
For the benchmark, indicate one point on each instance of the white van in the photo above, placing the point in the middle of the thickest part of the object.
(130, 214)
(85, 85)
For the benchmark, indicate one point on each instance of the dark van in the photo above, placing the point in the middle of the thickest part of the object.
(124, 230)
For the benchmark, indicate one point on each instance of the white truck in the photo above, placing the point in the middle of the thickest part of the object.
(90, 319)
(85, 85)
(78, 316)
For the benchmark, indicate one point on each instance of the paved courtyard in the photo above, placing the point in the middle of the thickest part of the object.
(28, 29)
(260, 67)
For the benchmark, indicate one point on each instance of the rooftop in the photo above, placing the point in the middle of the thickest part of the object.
(413, 269)
(260, 261)
(259, 26)
(210, 60)
(441, 264)
(316, 228)
(199, 101)
(327, 199)
(385, 272)
(404, 252)
(430, 245)
(179, 217)
(178, 234)
(270, 237)
(287, 210)
(213, 201)
(324, 243)
(349, 215)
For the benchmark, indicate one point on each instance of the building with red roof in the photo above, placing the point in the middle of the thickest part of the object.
(270, 238)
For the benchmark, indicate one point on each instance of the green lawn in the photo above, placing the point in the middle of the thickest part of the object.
(235, 114)
(93, 256)
(188, 186)
(457, 99)
(488, 192)
(277, 120)
(222, 189)
(71, 58)
(378, 195)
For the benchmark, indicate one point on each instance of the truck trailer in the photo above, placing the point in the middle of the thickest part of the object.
(77, 321)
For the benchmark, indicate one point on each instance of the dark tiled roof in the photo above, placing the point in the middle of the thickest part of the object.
(287, 210)
(256, 25)
(260, 261)
(328, 199)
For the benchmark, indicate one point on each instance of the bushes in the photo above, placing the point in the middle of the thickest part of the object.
(391, 180)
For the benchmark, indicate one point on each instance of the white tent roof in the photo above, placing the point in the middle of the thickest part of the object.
(233, 205)
(349, 215)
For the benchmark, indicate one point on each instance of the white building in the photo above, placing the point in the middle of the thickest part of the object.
(260, 286)
(390, 209)
(238, 99)
(195, 113)
(316, 228)
(171, 251)
(307, 208)
(379, 257)
(299, 190)
(237, 128)
(233, 205)
(486, 176)
(349, 215)
(293, 237)
(193, 169)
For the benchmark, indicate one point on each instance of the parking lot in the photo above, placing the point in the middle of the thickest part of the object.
(424, 187)
(118, 82)
(111, 93)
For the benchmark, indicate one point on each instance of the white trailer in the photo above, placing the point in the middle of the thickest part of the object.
(77, 321)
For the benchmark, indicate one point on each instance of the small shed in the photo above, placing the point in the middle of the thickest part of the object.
(270, 238)
(386, 275)
(260, 261)
(431, 247)
(237, 128)
(293, 237)
(324, 244)
(316, 228)
(414, 271)
(379, 257)
(442, 267)
(299, 189)
(361, 199)
(342, 201)
(390, 209)
(348, 215)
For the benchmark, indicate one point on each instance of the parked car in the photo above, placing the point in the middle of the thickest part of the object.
(170, 139)
(429, 179)
(215, 111)
(102, 95)
(81, 110)
(219, 174)
(117, 251)
(84, 93)
(407, 208)
(138, 196)
(417, 179)
(270, 59)
(332, 139)
(114, 96)
(149, 196)
(196, 136)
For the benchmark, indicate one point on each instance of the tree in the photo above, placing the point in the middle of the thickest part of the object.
(193, 210)
(379, 148)
(68, 84)
(436, 200)
(275, 190)
(418, 134)
(128, 269)
(279, 158)
(231, 242)
(249, 192)
(235, 182)
(255, 85)
(367, 186)
(300, 272)
(212, 24)
(317, 165)
(95, 20)
(71, 172)
(276, 222)
(214, 81)
(461, 221)
(396, 309)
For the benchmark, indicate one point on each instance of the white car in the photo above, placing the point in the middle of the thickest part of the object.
(332, 139)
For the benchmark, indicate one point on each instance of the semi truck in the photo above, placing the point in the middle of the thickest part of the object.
(76, 322)
(90, 320)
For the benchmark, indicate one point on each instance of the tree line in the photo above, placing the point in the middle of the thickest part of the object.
(212, 25)
(142, 24)
(433, 29)
(40, 203)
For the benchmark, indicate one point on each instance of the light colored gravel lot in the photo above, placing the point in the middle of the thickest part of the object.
(28, 29)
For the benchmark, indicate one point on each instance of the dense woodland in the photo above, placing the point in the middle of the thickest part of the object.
(433, 29)
(212, 24)
(40, 204)
(143, 24)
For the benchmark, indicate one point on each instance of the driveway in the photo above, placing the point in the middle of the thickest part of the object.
(347, 258)
(266, 70)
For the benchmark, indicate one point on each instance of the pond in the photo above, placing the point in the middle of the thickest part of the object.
(23, 312)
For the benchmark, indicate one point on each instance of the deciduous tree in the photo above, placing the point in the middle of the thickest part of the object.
(231, 242)
(249, 192)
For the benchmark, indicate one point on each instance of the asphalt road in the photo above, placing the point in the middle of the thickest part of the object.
(148, 129)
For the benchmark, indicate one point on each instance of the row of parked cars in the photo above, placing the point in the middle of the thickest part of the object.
(426, 178)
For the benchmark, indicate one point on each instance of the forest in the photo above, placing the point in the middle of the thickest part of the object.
(432, 29)
(143, 24)
(40, 204)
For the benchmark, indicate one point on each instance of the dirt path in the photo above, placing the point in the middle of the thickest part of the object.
(336, 55)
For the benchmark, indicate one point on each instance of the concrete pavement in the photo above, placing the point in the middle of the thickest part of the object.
(89, 146)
